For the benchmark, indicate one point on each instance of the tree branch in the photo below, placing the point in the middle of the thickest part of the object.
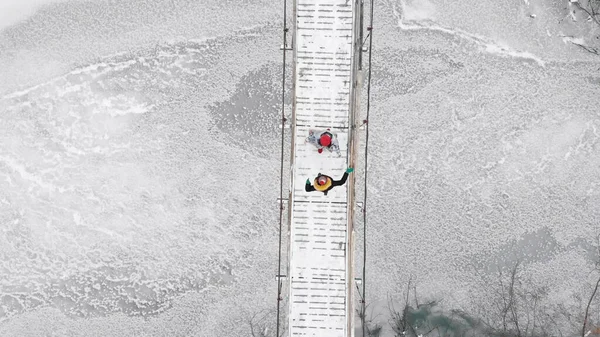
(591, 12)
(587, 309)
(588, 49)
(511, 294)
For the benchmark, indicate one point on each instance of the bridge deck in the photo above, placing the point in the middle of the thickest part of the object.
(319, 237)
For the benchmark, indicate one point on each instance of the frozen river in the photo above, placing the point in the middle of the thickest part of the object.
(136, 152)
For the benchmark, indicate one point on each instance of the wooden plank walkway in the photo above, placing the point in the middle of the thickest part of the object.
(320, 229)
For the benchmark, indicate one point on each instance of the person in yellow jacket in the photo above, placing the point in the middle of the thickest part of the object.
(323, 183)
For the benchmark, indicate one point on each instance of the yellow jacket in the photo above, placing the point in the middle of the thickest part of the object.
(323, 187)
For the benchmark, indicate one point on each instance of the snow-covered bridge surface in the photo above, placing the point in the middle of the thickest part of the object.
(320, 274)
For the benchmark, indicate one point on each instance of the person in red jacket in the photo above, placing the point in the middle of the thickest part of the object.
(323, 183)
(324, 139)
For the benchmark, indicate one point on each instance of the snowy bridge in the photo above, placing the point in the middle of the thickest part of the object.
(326, 86)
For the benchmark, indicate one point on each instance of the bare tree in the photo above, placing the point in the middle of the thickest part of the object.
(593, 295)
(398, 318)
(371, 328)
(591, 8)
(414, 319)
(517, 306)
(509, 299)
(262, 324)
(587, 308)
(259, 324)
(591, 11)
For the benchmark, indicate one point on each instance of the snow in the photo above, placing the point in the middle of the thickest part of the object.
(162, 221)
(570, 39)
(13, 11)
(415, 20)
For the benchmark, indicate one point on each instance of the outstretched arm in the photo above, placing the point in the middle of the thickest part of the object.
(344, 178)
(308, 187)
(341, 181)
